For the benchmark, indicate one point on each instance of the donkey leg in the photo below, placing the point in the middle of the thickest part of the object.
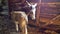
(26, 29)
(16, 23)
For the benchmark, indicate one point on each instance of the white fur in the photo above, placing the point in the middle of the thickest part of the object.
(33, 8)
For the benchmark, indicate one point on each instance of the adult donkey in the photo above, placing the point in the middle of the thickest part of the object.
(21, 18)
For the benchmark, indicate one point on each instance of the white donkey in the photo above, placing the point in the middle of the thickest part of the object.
(33, 10)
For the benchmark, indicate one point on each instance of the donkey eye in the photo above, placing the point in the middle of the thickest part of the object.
(31, 12)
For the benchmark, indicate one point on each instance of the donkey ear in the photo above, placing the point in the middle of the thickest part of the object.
(35, 4)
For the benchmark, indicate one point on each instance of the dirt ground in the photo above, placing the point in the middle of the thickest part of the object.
(8, 27)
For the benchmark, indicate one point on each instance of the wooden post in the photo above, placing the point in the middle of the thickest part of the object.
(38, 13)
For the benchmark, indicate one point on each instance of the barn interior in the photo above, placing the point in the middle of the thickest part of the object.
(47, 17)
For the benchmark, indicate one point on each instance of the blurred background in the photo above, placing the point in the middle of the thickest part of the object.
(49, 18)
